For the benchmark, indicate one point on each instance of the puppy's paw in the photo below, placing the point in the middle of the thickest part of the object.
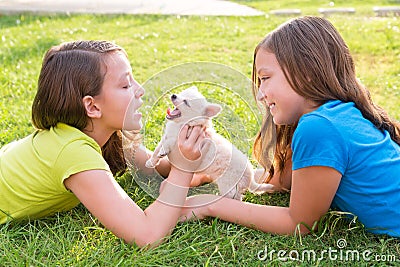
(150, 164)
(161, 155)
(264, 188)
(234, 194)
(163, 152)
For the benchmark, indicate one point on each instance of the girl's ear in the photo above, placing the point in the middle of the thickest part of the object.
(212, 110)
(92, 110)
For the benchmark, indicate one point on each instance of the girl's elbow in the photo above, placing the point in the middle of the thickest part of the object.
(145, 239)
(297, 226)
(142, 243)
(302, 228)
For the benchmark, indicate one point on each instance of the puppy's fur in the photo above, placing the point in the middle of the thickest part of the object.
(226, 165)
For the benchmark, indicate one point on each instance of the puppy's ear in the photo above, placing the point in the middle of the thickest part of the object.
(212, 110)
(193, 88)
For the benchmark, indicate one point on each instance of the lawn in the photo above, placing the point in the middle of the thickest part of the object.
(157, 47)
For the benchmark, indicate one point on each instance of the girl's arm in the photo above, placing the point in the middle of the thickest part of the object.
(313, 189)
(107, 201)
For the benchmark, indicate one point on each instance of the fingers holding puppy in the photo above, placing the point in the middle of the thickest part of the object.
(190, 141)
(190, 144)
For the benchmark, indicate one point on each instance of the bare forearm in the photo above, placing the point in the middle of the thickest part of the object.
(270, 219)
(163, 214)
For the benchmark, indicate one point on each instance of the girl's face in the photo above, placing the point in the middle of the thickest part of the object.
(285, 105)
(120, 97)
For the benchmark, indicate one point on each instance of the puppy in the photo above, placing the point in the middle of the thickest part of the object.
(226, 165)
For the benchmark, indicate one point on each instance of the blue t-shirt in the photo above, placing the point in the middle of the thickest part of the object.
(336, 135)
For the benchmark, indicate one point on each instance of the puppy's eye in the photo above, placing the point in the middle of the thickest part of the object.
(186, 102)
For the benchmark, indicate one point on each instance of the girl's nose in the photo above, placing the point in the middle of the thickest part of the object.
(139, 92)
(260, 95)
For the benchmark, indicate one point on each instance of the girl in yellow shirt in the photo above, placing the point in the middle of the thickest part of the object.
(86, 96)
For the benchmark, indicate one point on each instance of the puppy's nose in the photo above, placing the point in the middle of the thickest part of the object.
(173, 97)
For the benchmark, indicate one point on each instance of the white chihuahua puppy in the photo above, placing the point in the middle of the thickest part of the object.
(226, 165)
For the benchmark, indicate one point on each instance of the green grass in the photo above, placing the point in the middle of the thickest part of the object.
(310, 7)
(155, 43)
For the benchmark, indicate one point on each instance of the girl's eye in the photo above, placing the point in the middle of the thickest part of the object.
(130, 81)
(264, 78)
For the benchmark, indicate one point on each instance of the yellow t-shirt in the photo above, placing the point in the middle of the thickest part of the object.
(33, 170)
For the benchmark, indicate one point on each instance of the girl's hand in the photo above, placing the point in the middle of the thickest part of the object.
(190, 140)
(197, 207)
(191, 211)
(192, 143)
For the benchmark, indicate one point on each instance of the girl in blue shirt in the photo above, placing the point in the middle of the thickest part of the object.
(335, 147)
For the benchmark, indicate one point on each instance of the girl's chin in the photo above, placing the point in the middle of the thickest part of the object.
(276, 120)
(133, 123)
(136, 125)
(279, 122)
(137, 117)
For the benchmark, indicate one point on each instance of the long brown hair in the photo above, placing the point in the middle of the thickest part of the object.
(69, 72)
(318, 66)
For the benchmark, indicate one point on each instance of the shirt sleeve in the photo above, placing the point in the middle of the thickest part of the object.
(77, 156)
(317, 142)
